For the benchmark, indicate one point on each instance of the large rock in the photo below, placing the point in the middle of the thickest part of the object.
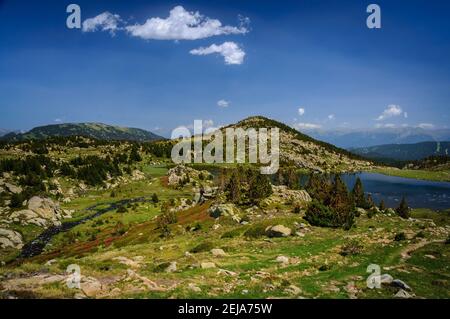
(42, 212)
(217, 252)
(180, 175)
(13, 188)
(227, 210)
(10, 238)
(278, 231)
(282, 194)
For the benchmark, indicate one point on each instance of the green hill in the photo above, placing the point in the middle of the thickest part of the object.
(94, 130)
(404, 152)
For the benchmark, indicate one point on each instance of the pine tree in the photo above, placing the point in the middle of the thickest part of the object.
(403, 209)
(382, 205)
(370, 202)
(358, 194)
(155, 198)
(318, 188)
(233, 188)
(259, 188)
(292, 180)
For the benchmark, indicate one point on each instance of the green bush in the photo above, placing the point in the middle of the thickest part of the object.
(318, 214)
(400, 236)
(205, 246)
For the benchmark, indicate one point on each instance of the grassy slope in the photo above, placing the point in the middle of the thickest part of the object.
(439, 176)
(252, 259)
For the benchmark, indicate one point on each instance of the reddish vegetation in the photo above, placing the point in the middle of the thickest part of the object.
(195, 214)
(164, 181)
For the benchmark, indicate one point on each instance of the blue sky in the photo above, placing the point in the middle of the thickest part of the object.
(315, 55)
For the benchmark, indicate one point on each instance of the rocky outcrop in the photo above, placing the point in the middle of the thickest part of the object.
(278, 231)
(41, 212)
(10, 239)
(181, 175)
(225, 210)
(282, 194)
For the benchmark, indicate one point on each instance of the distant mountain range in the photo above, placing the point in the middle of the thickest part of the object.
(94, 130)
(4, 131)
(356, 138)
(404, 152)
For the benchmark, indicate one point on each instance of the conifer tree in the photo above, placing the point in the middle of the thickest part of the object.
(403, 209)
(358, 194)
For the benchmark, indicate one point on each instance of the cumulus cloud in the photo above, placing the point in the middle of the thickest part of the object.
(183, 25)
(105, 21)
(223, 103)
(306, 126)
(391, 111)
(426, 125)
(229, 50)
(301, 111)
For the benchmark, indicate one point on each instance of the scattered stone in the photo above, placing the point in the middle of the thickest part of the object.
(403, 294)
(401, 284)
(217, 252)
(207, 265)
(194, 288)
(226, 272)
(10, 238)
(293, 290)
(278, 231)
(282, 260)
(13, 188)
(126, 261)
(386, 279)
(90, 286)
(226, 210)
(172, 267)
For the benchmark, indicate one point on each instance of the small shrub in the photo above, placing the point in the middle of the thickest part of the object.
(255, 231)
(420, 234)
(352, 248)
(447, 241)
(318, 214)
(297, 209)
(205, 246)
(400, 236)
(122, 209)
(232, 233)
(155, 199)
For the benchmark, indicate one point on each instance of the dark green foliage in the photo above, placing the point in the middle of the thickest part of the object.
(382, 205)
(122, 209)
(233, 188)
(370, 202)
(319, 188)
(403, 209)
(259, 188)
(297, 209)
(166, 218)
(17, 200)
(134, 155)
(155, 199)
(447, 241)
(400, 236)
(318, 214)
(358, 194)
(204, 246)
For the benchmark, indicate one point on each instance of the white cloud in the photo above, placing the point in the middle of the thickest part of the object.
(229, 50)
(183, 25)
(105, 21)
(387, 125)
(223, 103)
(301, 111)
(306, 126)
(426, 125)
(58, 120)
(391, 111)
(331, 117)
